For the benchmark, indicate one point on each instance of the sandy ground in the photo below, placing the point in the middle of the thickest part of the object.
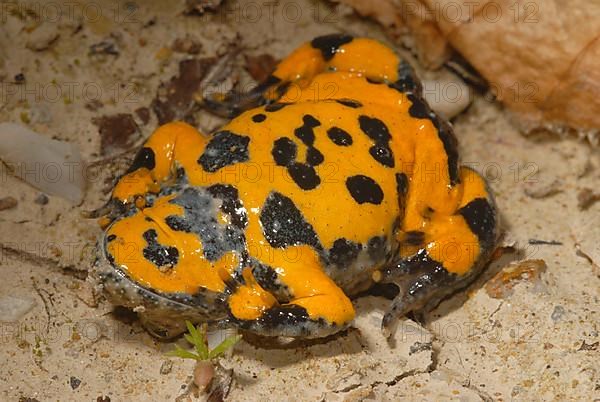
(523, 332)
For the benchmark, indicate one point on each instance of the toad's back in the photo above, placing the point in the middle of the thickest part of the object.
(344, 175)
(339, 160)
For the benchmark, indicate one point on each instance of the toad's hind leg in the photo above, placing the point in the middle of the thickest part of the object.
(450, 251)
(335, 52)
(314, 307)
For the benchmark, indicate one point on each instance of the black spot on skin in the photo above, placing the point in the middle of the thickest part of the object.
(143, 159)
(159, 255)
(374, 128)
(481, 218)
(284, 316)
(284, 151)
(305, 176)
(349, 102)
(273, 107)
(414, 238)
(364, 189)
(376, 248)
(330, 44)
(401, 184)
(225, 148)
(305, 132)
(339, 137)
(402, 191)
(446, 134)
(177, 223)
(344, 252)
(407, 79)
(379, 133)
(283, 224)
(110, 238)
(310, 121)
(231, 203)
(259, 118)
(382, 154)
(420, 110)
(314, 157)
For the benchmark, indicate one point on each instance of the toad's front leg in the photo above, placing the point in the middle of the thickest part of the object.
(171, 146)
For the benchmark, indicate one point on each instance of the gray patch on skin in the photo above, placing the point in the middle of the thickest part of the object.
(169, 310)
(200, 218)
(356, 276)
(308, 329)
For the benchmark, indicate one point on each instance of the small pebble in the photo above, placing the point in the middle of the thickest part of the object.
(558, 313)
(12, 309)
(41, 199)
(448, 96)
(186, 45)
(166, 366)
(42, 38)
(20, 78)
(105, 47)
(75, 382)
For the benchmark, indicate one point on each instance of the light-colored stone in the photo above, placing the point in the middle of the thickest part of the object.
(448, 95)
(14, 308)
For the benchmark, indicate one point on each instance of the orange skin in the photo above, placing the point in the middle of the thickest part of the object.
(430, 205)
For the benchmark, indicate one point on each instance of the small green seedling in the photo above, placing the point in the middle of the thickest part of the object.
(197, 338)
